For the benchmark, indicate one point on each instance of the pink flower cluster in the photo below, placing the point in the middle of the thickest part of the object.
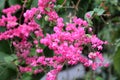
(9, 20)
(29, 14)
(68, 44)
(67, 41)
(11, 10)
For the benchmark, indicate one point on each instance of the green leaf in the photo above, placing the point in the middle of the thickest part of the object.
(13, 2)
(60, 2)
(89, 35)
(6, 73)
(3, 73)
(2, 29)
(57, 6)
(9, 59)
(7, 70)
(2, 4)
(91, 13)
(48, 52)
(99, 78)
(99, 11)
(47, 9)
(32, 52)
(28, 4)
(90, 23)
(34, 3)
(116, 61)
(114, 2)
(2, 55)
(88, 75)
(5, 47)
(16, 62)
(26, 76)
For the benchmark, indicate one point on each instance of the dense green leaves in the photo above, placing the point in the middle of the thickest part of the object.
(99, 78)
(60, 2)
(13, 2)
(10, 58)
(99, 11)
(26, 76)
(5, 47)
(34, 3)
(2, 4)
(7, 68)
(116, 59)
(48, 52)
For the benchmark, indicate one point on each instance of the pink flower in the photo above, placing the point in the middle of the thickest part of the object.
(88, 63)
(94, 66)
(107, 65)
(39, 50)
(41, 60)
(88, 15)
(11, 9)
(52, 75)
(92, 55)
(52, 15)
(90, 29)
(35, 42)
(25, 69)
(29, 14)
(38, 16)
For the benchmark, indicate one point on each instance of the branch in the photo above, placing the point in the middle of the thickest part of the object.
(76, 7)
(23, 7)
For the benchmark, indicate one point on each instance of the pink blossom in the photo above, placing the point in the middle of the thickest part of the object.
(88, 15)
(39, 50)
(29, 14)
(94, 66)
(35, 42)
(41, 60)
(11, 9)
(38, 16)
(52, 15)
(25, 69)
(52, 75)
(92, 55)
(90, 29)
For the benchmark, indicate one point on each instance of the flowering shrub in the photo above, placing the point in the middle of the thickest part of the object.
(67, 41)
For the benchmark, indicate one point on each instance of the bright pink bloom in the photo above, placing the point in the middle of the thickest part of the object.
(11, 9)
(88, 15)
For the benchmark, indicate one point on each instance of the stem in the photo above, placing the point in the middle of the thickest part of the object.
(10, 45)
(3, 71)
(103, 20)
(19, 74)
(64, 2)
(76, 7)
(92, 75)
(23, 7)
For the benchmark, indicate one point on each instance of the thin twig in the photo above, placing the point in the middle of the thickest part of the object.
(76, 7)
(103, 20)
(19, 74)
(10, 45)
(23, 7)
(64, 3)
(3, 71)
